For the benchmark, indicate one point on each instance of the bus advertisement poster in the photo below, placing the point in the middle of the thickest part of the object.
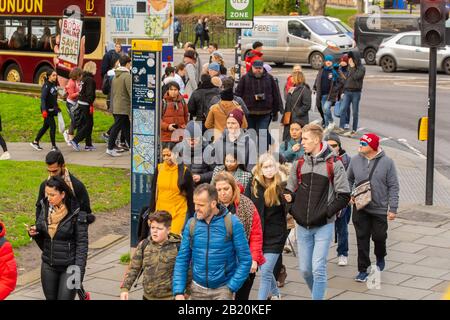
(69, 48)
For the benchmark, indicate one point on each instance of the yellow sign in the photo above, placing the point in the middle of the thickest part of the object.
(21, 6)
(423, 129)
(90, 6)
(146, 45)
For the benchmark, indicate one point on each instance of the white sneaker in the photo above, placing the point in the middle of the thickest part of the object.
(342, 261)
(278, 297)
(113, 153)
(66, 137)
(5, 156)
(331, 126)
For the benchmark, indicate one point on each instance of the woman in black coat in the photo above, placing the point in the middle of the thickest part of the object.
(61, 232)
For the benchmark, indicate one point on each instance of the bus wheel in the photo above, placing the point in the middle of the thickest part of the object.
(39, 77)
(12, 73)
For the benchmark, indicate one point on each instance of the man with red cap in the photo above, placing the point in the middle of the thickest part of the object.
(371, 221)
(8, 267)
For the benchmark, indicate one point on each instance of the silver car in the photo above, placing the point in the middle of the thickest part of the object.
(403, 51)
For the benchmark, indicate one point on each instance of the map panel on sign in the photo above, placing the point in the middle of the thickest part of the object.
(144, 122)
(143, 154)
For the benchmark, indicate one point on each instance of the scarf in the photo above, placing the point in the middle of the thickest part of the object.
(55, 215)
(66, 178)
(244, 211)
(333, 70)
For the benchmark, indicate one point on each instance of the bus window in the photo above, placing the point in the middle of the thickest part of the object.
(14, 34)
(43, 34)
(92, 30)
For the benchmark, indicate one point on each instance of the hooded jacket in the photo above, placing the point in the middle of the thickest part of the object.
(121, 95)
(215, 261)
(199, 101)
(249, 86)
(8, 267)
(157, 262)
(49, 98)
(316, 201)
(87, 89)
(384, 184)
(354, 80)
(251, 57)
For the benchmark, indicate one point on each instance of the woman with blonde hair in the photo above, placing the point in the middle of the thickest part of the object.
(290, 80)
(86, 100)
(238, 204)
(266, 192)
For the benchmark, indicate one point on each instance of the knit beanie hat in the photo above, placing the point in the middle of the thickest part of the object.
(372, 140)
(333, 136)
(214, 66)
(328, 57)
(238, 115)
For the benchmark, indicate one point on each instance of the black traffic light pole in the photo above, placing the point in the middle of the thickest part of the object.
(431, 126)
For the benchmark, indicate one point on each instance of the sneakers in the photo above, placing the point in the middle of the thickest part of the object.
(350, 134)
(54, 148)
(90, 148)
(105, 137)
(35, 145)
(331, 126)
(278, 297)
(5, 156)
(342, 261)
(362, 277)
(124, 146)
(381, 264)
(113, 153)
(339, 130)
(74, 145)
(66, 137)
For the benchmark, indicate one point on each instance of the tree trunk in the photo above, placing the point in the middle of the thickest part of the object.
(360, 6)
(317, 7)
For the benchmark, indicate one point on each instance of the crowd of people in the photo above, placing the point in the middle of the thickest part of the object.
(225, 198)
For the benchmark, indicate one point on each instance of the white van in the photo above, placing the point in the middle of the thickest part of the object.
(296, 39)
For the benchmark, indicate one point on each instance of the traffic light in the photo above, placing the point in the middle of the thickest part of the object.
(433, 14)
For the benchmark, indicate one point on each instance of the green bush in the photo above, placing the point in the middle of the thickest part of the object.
(183, 6)
(125, 258)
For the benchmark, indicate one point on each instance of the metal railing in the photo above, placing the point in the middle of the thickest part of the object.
(225, 38)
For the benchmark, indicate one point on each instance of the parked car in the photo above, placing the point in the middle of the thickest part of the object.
(296, 39)
(371, 30)
(404, 51)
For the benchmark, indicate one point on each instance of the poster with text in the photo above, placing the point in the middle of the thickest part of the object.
(69, 47)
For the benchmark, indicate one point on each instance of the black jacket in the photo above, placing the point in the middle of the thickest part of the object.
(335, 88)
(355, 77)
(193, 159)
(49, 98)
(69, 245)
(108, 58)
(273, 222)
(199, 101)
(81, 195)
(299, 105)
(249, 86)
(87, 89)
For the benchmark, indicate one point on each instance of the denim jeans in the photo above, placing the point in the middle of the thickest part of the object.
(257, 123)
(341, 229)
(313, 246)
(326, 107)
(352, 98)
(268, 285)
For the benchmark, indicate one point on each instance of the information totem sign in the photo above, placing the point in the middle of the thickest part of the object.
(145, 124)
(239, 14)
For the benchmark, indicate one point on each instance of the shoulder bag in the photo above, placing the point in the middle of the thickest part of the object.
(363, 191)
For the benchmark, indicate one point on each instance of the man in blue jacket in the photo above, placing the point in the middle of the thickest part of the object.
(214, 245)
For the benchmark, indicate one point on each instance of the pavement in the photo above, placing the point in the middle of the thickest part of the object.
(418, 260)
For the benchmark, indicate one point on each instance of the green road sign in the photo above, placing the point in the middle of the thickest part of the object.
(239, 13)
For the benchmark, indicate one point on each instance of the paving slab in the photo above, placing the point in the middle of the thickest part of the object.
(116, 272)
(403, 257)
(99, 296)
(420, 271)
(110, 258)
(103, 286)
(394, 278)
(435, 241)
(426, 231)
(446, 277)
(422, 283)
(435, 252)
(408, 247)
(435, 262)
(350, 295)
(105, 241)
(441, 287)
(404, 236)
(92, 268)
(296, 289)
(347, 284)
(434, 296)
(391, 291)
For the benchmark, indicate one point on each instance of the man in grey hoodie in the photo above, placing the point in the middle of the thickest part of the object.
(371, 221)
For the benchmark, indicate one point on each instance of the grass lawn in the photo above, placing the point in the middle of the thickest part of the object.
(108, 189)
(21, 119)
(342, 13)
(218, 7)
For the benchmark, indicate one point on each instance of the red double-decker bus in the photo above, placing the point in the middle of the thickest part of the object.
(29, 32)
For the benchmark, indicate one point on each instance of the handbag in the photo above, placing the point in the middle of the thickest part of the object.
(287, 116)
(337, 109)
(363, 191)
(83, 294)
(61, 124)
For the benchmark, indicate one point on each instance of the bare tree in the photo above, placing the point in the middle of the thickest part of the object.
(317, 7)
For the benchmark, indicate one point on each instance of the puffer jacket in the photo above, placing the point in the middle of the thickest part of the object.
(8, 267)
(192, 158)
(157, 262)
(316, 201)
(299, 103)
(176, 111)
(215, 262)
(69, 245)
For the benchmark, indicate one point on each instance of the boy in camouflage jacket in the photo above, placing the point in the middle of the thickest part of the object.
(156, 257)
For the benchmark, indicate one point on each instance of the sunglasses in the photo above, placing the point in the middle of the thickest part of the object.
(363, 144)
